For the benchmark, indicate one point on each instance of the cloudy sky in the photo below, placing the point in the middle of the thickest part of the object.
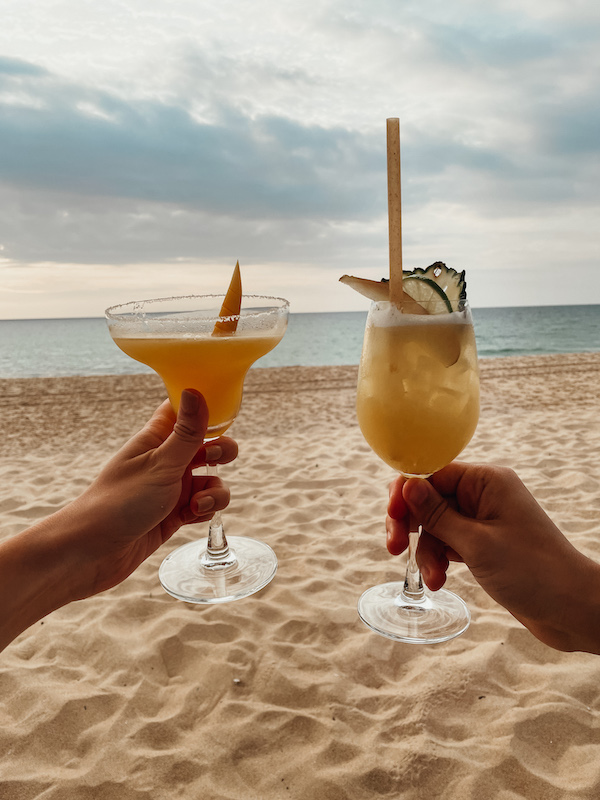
(145, 145)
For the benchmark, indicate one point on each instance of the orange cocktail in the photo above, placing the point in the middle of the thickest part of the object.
(207, 343)
(215, 365)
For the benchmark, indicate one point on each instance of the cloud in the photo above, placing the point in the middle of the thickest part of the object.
(571, 129)
(204, 135)
(91, 143)
(16, 66)
(107, 179)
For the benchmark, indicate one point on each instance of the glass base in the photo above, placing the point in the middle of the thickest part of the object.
(437, 617)
(183, 576)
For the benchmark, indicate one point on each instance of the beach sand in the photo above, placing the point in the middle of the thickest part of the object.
(132, 694)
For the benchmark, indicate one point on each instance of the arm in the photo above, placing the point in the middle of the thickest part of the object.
(138, 501)
(485, 516)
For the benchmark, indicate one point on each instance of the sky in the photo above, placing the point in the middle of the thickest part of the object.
(146, 145)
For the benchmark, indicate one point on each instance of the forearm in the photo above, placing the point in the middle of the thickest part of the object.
(33, 577)
(570, 620)
(581, 622)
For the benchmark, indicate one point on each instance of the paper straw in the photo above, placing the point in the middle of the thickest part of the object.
(394, 210)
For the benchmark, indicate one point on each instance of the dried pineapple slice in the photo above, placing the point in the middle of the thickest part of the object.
(438, 289)
(451, 282)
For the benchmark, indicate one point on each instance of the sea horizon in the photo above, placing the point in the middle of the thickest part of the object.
(297, 313)
(65, 346)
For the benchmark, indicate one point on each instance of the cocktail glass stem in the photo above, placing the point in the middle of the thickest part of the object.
(217, 554)
(407, 612)
(413, 590)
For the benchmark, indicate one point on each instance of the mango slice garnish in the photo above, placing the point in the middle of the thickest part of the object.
(231, 306)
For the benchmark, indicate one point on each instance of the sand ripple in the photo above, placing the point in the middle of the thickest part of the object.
(134, 695)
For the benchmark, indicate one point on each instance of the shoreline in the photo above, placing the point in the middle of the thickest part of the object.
(122, 403)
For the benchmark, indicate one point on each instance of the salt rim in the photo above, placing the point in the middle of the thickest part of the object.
(112, 312)
(135, 318)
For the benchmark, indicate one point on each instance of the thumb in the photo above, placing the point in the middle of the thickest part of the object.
(188, 433)
(433, 512)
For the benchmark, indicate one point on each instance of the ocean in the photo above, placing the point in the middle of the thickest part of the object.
(61, 347)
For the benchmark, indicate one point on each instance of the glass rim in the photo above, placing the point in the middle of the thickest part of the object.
(463, 306)
(135, 307)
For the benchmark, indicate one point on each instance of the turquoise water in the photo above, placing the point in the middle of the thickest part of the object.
(55, 347)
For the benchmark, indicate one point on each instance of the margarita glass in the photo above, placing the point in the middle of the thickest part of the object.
(417, 407)
(177, 338)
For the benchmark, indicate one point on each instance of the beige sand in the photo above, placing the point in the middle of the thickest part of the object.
(134, 695)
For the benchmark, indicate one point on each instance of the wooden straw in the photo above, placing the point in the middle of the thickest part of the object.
(394, 211)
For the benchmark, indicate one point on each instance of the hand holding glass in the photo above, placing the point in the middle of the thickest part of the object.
(176, 337)
(417, 406)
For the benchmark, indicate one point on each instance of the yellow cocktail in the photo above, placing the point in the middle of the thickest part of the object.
(418, 388)
(418, 407)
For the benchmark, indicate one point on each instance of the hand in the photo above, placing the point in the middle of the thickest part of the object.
(141, 497)
(146, 492)
(485, 516)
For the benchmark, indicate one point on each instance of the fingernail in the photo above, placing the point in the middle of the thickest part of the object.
(189, 402)
(419, 491)
(204, 504)
(212, 453)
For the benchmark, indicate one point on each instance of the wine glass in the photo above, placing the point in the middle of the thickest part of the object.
(417, 407)
(177, 338)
